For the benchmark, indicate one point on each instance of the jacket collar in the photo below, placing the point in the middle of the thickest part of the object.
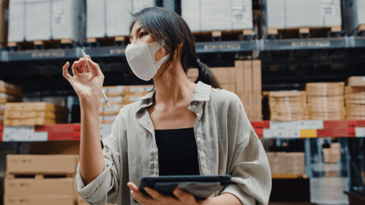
(201, 94)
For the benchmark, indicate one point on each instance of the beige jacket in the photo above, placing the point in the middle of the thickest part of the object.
(226, 141)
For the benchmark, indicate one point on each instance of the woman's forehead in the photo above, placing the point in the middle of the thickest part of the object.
(135, 27)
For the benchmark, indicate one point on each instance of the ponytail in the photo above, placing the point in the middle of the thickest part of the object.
(206, 75)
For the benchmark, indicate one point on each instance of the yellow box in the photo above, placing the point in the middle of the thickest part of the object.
(308, 133)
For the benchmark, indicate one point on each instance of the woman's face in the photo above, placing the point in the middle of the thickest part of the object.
(141, 36)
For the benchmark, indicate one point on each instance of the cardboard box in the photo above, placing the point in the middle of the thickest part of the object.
(286, 163)
(229, 87)
(225, 75)
(37, 164)
(80, 201)
(325, 89)
(36, 106)
(11, 89)
(247, 76)
(4, 7)
(35, 114)
(138, 89)
(257, 90)
(356, 81)
(39, 200)
(113, 110)
(112, 91)
(33, 121)
(51, 186)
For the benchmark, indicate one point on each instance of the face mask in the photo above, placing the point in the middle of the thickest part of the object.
(141, 59)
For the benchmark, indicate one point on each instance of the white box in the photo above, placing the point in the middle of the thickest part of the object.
(118, 17)
(275, 13)
(16, 21)
(96, 27)
(68, 20)
(37, 21)
(356, 13)
(217, 15)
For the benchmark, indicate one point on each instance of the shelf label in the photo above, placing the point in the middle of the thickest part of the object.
(308, 43)
(226, 46)
(360, 131)
(49, 54)
(281, 133)
(39, 137)
(299, 125)
(18, 133)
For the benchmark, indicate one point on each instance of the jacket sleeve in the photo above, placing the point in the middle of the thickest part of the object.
(104, 188)
(247, 161)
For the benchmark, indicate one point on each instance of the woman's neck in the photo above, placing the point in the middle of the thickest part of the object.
(173, 87)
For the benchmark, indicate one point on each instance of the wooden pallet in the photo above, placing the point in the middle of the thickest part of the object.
(207, 36)
(39, 176)
(305, 32)
(108, 41)
(41, 44)
(289, 176)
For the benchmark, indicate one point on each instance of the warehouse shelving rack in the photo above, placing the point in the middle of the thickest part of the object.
(40, 70)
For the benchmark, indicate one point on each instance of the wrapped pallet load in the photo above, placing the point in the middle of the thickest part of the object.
(283, 14)
(217, 15)
(287, 105)
(325, 101)
(355, 98)
(112, 18)
(4, 6)
(60, 20)
(355, 14)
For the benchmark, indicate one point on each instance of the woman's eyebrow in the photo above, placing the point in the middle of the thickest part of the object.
(137, 31)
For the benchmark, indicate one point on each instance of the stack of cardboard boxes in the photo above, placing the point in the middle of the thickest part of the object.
(325, 101)
(9, 93)
(4, 6)
(355, 98)
(288, 105)
(119, 96)
(40, 179)
(225, 76)
(249, 88)
(282, 163)
(332, 154)
(38, 113)
(217, 15)
(112, 18)
(245, 80)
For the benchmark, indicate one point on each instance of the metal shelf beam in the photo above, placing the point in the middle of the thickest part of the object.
(201, 47)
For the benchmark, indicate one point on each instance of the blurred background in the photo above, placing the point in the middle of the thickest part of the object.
(298, 67)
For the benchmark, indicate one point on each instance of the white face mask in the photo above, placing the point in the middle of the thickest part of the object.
(141, 59)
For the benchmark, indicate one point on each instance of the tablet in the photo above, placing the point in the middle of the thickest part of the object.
(201, 187)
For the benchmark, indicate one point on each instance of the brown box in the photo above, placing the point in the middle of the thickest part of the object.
(287, 163)
(33, 121)
(357, 81)
(33, 114)
(34, 106)
(37, 164)
(80, 201)
(325, 89)
(113, 110)
(257, 90)
(5, 98)
(229, 87)
(9, 88)
(225, 75)
(138, 89)
(54, 186)
(335, 145)
(117, 90)
(240, 91)
(39, 200)
(4, 7)
(247, 76)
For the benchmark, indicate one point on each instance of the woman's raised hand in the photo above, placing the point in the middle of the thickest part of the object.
(86, 83)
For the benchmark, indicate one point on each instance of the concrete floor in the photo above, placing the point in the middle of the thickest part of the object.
(329, 190)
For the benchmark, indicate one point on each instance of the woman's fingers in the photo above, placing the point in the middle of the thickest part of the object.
(74, 68)
(65, 72)
(94, 66)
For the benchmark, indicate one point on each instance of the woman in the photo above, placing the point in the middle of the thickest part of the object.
(179, 128)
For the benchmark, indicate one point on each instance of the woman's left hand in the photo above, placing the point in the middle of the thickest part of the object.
(156, 198)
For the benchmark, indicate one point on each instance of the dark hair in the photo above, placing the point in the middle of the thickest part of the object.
(165, 24)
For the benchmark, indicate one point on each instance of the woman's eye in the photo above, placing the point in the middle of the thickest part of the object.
(143, 34)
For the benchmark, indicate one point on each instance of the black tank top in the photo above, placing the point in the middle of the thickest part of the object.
(177, 152)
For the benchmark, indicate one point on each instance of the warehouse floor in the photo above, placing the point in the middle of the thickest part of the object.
(329, 190)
